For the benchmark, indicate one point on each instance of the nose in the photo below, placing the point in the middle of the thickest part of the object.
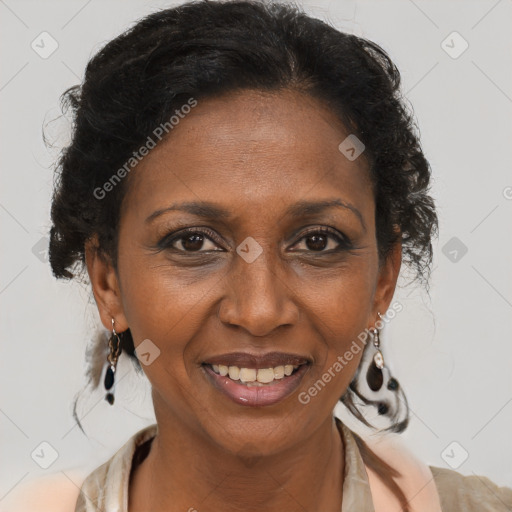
(258, 299)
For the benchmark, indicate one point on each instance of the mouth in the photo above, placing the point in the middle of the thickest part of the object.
(256, 380)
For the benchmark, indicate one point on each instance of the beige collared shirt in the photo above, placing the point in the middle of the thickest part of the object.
(106, 488)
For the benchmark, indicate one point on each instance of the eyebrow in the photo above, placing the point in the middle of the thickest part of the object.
(209, 210)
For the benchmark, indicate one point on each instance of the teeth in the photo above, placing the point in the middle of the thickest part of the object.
(253, 376)
(279, 372)
(265, 375)
(247, 375)
(234, 372)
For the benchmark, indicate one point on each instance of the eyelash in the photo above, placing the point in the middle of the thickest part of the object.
(343, 241)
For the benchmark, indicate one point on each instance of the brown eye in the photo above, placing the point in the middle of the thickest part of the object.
(319, 240)
(191, 240)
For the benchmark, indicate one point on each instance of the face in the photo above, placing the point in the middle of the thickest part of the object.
(259, 274)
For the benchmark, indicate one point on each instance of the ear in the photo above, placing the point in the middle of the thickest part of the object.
(105, 286)
(386, 282)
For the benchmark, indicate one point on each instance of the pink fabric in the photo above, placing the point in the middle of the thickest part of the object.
(417, 481)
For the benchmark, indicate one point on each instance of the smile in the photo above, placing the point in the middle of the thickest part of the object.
(253, 376)
(256, 382)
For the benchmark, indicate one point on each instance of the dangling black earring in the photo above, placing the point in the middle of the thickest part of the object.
(374, 374)
(114, 344)
(372, 367)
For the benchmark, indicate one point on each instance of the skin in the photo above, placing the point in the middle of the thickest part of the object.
(254, 154)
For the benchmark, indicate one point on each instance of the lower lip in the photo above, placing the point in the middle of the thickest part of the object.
(257, 396)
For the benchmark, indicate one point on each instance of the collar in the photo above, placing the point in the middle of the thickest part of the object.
(106, 488)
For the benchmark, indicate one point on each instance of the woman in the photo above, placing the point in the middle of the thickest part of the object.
(242, 187)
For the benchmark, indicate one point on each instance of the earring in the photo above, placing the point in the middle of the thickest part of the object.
(114, 344)
(371, 376)
(374, 375)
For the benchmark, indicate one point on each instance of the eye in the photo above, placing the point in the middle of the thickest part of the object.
(190, 240)
(318, 239)
(197, 240)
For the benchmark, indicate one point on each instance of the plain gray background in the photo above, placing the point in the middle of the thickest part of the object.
(451, 351)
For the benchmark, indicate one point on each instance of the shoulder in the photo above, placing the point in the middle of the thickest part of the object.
(56, 492)
(470, 493)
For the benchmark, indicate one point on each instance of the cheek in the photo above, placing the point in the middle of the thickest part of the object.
(162, 322)
(158, 300)
(343, 313)
(343, 301)
(167, 308)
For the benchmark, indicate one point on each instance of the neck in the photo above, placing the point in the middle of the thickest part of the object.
(184, 472)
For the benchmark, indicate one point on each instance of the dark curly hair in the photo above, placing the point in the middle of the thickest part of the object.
(205, 48)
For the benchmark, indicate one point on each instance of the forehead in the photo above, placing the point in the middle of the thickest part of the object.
(250, 149)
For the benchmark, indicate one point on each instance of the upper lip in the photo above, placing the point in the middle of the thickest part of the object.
(246, 360)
